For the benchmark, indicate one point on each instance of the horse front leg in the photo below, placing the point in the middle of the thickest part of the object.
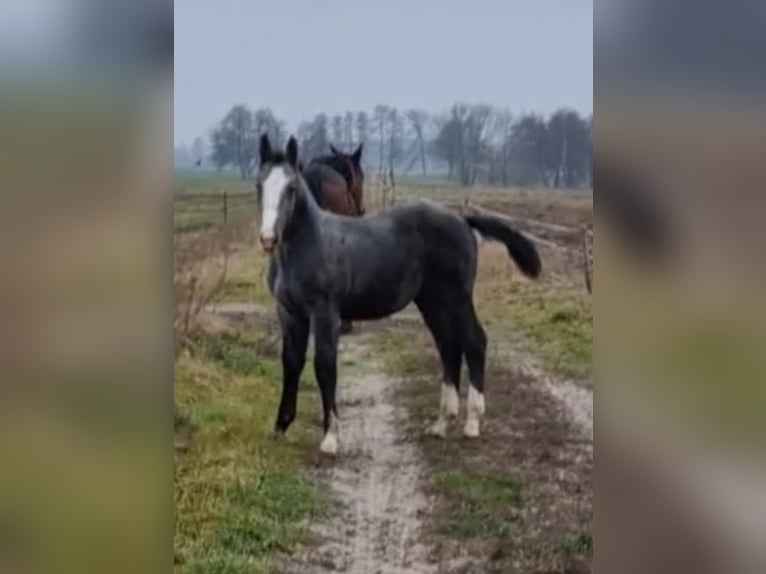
(295, 336)
(326, 333)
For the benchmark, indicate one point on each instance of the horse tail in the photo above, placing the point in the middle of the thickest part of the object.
(521, 249)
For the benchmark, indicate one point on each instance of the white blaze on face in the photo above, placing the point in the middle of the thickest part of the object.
(273, 188)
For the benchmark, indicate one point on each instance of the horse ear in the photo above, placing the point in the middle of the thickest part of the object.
(265, 149)
(291, 152)
(357, 155)
(333, 150)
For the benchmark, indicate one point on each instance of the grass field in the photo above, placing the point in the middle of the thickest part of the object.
(240, 496)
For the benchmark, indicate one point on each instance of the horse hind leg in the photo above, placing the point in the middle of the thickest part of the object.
(448, 344)
(475, 347)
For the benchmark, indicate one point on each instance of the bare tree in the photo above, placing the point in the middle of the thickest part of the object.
(395, 136)
(475, 142)
(234, 141)
(267, 123)
(337, 130)
(418, 120)
(348, 130)
(313, 137)
(380, 117)
(500, 152)
(198, 150)
(462, 141)
(568, 148)
(362, 127)
(527, 143)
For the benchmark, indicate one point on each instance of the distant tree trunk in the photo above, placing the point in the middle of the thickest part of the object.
(422, 153)
(561, 170)
(382, 145)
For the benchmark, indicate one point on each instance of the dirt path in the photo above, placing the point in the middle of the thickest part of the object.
(375, 477)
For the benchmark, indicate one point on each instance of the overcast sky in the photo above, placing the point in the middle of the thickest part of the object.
(302, 57)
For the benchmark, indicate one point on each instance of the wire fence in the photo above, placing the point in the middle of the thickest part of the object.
(197, 211)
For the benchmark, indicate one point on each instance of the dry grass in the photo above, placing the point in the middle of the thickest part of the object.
(552, 317)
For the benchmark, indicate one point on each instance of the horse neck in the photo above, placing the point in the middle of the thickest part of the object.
(303, 229)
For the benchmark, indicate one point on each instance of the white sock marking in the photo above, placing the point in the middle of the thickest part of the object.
(439, 428)
(330, 442)
(449, 400)
(448, 408)
(475, 410)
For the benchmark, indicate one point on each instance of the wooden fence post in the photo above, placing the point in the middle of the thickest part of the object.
(225, 207)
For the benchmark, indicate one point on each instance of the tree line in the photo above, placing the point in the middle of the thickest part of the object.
(469, 143)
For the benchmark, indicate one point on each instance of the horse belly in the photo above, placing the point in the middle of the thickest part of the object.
(382, 301)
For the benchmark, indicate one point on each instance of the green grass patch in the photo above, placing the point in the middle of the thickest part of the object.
(479, 504)
(580, 543)
(194, 211)
(235, 354)
(402, 354)
(241, 497)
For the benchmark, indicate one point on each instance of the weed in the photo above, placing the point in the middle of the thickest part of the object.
(580, 543)
(479, 504)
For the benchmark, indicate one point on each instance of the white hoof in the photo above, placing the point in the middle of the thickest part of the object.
(439, 428)
(329, 444)
(471, 429)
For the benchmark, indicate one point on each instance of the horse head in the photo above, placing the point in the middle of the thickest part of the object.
(279, 185)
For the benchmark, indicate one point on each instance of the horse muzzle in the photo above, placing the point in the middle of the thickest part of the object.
(268, 243)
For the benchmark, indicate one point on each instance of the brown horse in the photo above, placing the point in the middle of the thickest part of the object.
(330, 189)
(337, 183)
(350, 169)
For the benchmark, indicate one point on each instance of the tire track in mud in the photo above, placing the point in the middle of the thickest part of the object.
(375, 477)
